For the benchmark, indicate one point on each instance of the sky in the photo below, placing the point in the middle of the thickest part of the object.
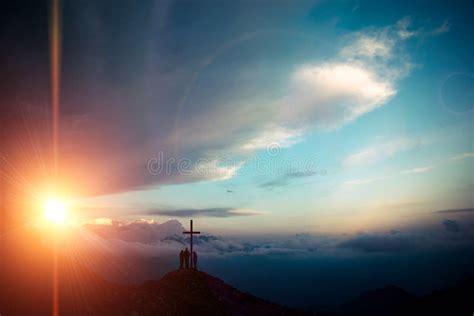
(281, 117)
(271, 117)
(329, 141)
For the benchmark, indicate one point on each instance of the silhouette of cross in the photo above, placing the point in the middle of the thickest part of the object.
(191, 233)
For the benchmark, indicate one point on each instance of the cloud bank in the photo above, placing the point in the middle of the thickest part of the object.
(208, 212)
(150, 238)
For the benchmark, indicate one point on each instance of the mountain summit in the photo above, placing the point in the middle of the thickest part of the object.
(188, 292)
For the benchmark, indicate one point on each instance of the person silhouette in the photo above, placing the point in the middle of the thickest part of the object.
(186, 255)
(195, 260)
(181, 259)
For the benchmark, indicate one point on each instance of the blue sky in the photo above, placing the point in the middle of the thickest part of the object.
(318, 117)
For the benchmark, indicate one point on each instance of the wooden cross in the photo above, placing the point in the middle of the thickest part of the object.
(191, 233)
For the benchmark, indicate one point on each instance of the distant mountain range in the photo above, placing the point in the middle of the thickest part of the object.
(392, 300)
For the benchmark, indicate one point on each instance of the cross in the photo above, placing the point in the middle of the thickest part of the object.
(191, 233)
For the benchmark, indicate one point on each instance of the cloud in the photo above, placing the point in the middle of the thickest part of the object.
(329, 95)
(370, 46)
(460, 211)
(152, 238)
(279, 182)
(361, 77)
(403, 28)
(301, 174)
(326, 95)
(287, 178)
(463, 156)
(381, 151)
(143, 231)
(429, 168)
(362, 181)
(374, 243)
(213, 170)
(406, 31)
(451, 226)
(417, 170)
(208, 212)
(282, 137)
(442, 29)
(101, 221)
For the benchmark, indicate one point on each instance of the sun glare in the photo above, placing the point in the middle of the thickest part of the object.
(55, 211)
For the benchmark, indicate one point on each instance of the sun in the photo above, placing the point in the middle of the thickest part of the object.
(55, 211)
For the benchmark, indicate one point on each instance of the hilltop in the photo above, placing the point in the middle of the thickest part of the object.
(186, 292)
(180, 292)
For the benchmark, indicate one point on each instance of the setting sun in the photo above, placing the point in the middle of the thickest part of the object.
(55, 211)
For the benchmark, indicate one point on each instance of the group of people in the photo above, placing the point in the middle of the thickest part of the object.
(188, 260)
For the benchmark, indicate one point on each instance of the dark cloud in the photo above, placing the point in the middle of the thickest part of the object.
(451, 226)
(433, 236)
(372, 243)
(457, 211)
(274, 183)
(149, 237)
(286, 178)
(141, 231)
(206, 212)
(301, 174)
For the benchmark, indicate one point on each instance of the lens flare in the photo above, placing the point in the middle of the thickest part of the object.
(55, 211)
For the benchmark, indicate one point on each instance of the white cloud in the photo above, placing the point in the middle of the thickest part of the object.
(214, 170)
(463, 156)
(360, 78)
(327, 96)
(101, 221)
(284, 137)
(142, 231)
(403, 28)
(370, 46)
(378, 152)
(362, 181)
(247, 212)
(417, 170)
